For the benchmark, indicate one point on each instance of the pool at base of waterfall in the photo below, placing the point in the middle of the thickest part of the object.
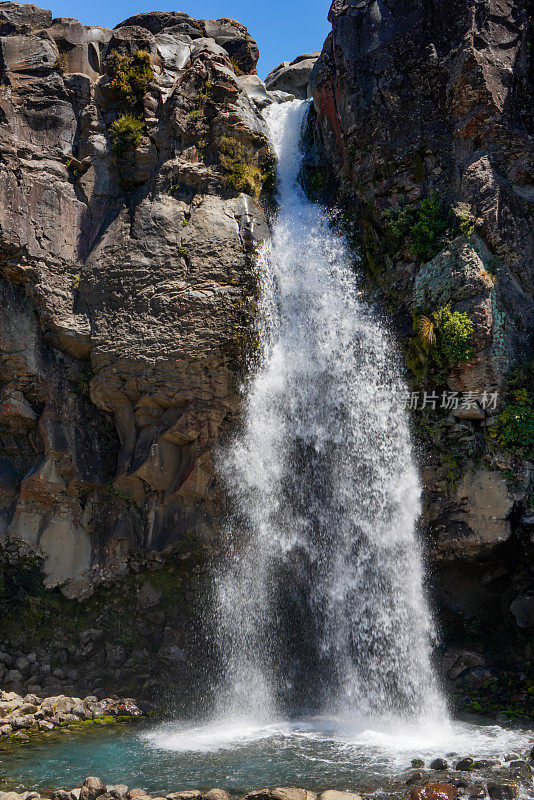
(313, 753)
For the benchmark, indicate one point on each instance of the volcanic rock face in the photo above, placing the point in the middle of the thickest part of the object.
(434, 100)
(414, 98)
(126, 279)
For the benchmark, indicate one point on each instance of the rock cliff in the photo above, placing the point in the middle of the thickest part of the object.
(423, 127)
(127, 278)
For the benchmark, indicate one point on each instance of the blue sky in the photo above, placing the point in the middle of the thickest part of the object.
(282, 28)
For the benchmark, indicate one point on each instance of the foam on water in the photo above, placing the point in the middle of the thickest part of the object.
(391, 747)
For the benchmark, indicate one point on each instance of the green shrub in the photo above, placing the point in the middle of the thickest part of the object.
(235, 66)
(429, 226)
(455, 331)
(315, 183)
(514, 427)
(126, 134)
(420, 228)
(130, 76)
(444, 339)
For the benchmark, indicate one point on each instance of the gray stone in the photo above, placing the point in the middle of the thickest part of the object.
(13, 676)
(17, 15)
(293, 77)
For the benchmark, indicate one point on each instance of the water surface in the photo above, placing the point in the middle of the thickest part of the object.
(315, 753)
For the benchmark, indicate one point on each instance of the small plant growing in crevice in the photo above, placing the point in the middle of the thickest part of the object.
(466, 221)
(239, 170)
(130, 76)
(117, 494)
(126, 134)
(235, 66)
(314, 183)
(61, 63)
(82, 385)
(203, 97)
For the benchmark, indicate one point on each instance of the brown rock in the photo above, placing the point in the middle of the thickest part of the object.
(92, 788)
(434, 791)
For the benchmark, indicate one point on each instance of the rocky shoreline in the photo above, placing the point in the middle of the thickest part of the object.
(20, 717)
(442, 787)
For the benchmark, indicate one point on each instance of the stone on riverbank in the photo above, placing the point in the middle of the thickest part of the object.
(333, 794)
(92, 788)
(19, 715)
(435, 791)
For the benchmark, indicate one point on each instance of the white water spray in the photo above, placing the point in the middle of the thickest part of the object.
(321, 601)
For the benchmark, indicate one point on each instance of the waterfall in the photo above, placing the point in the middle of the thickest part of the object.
(320, 600)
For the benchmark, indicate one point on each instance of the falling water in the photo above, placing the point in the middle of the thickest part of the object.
(321, 601)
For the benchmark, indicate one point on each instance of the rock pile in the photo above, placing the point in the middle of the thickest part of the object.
(94, 788)
(20, 716)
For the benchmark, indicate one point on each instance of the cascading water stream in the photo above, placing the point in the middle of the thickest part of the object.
(321, 605)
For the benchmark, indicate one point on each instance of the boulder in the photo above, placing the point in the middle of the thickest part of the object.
(480, 521)
(158, 21)
(439, 764)
(522, 609)
(21, 723)
(520, 770)
(292, 794)
(465, 764)
(236, 40)
(186, 794)
(60, 794)
(13, 676)
(92, 788)
(293, 77)
(216, 794)
(333, 794)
